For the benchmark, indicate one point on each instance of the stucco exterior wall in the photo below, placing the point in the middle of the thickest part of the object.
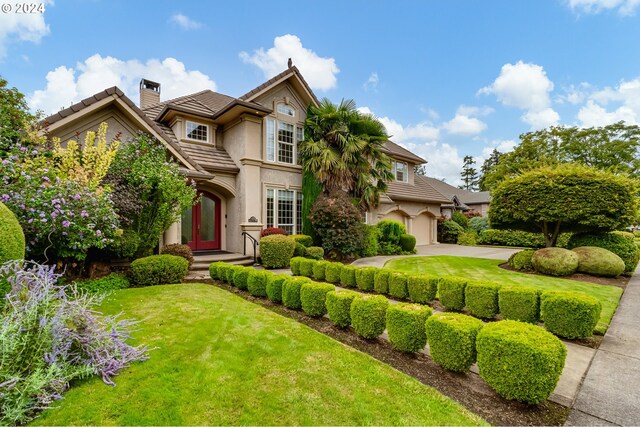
(423, 214)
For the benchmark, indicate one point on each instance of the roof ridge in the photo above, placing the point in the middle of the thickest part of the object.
(177, 98)
(191, 98)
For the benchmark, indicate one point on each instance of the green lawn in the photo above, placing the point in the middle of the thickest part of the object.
(220, 360)
(487, 269)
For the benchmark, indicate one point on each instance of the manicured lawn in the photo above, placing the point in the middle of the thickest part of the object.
(220, 360)
(487, 269)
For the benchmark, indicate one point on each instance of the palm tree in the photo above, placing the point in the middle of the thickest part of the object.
(343, 150)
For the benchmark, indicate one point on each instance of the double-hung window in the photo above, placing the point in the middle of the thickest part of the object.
(197, 131)
(401, 171)
(283, 136)
(284, 209)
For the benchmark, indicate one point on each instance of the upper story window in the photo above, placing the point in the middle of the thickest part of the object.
(282, 141)
(197, 131)
(400, 171)
(286, 109)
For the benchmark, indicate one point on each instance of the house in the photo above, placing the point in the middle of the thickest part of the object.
(460, 199)
(242, 154)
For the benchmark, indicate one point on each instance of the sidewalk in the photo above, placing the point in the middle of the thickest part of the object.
(610, 393)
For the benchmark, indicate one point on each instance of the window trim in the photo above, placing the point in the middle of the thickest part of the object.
(272, 141)
(293, 110)
(186, 133)
(296, 213)
(406, 171)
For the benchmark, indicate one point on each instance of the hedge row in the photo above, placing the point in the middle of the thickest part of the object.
(456, 341)
(568, 314)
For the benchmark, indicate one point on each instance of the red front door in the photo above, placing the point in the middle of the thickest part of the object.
(201, 224)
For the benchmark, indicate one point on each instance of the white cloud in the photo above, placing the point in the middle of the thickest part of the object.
(184, 22)
(574, 95)
(30, 27)
(467, 110)
(372, 82)
(464, 125)
(66, 85)
(319, 72)
(502, 145)
(624, 7)
(623, 102)
(527, 87)
(593, 114)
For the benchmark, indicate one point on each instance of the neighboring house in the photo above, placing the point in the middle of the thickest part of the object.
(460, 199)
(242, 154)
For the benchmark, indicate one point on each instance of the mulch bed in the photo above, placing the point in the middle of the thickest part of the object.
(620, 281)
(468, 389)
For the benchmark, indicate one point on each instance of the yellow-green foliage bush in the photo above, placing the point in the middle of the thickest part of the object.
(452, 340)
(406, 326)
(368, 314)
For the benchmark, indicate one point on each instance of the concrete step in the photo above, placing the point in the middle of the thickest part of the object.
(201, 262)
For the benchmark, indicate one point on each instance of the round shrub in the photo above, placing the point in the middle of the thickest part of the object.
(291, 291)
(479, 223)
(299, 250)
(241, 277)
(339, 307)
(313, 298)
(365, 277)
(257, 283)
(452, 340)
(555, 261)
(314, 252)
(112, 282)
(231, 272)
(451, 292)
(213, 270)
(295, 265)
(274, 287)
(570, 314)
(448, 231)
(306, 267)
(406, 326)
(368, 314)
(303, 239)
(332, 272)
(177, 249)
(519, 303)
(481, 299)
(520, 361)
(220, 270)
(391, 230)
(276, 250)
(381, 281)
(460, 219)
(348, 276)
(620, 245)
(521, 261)
(11, 236)
(422, 288)
(319, 269)
(407, 242)
(598, 261)
(159, 270)
(398, 286)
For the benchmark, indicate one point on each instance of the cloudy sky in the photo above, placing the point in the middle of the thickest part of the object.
(447, 78)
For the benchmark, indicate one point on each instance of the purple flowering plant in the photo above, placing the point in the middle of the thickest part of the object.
(51, 335)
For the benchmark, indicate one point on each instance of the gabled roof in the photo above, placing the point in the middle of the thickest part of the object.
(420, 191)
(394, 150)
(464, 196)
(289, 72)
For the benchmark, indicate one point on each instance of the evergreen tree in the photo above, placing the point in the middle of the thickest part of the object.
(487, 167)
(469, 174)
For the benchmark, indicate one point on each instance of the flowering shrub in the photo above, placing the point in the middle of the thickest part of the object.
(273, 230)
(50, 336)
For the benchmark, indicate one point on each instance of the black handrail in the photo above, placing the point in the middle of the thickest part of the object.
(255, 244)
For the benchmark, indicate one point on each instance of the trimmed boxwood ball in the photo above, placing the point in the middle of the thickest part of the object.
(381, 281)
(306, 267)
(303, 239)
(314, 252)
(422, 288)
(257, 283)
(339, 307)
(368, 314)
(481, 299)
(221, 271)
(569, 314)
(213, 270)
(11, 236)
(276, 250)
(519, 303)
(295, 265)
(241, 276)
(299, 250)
(332, 272)
(521, 261)
(555, 261)
(313, 298)
(159, 270)
(598, 261)
(274, 287)
(451, 292)
(348, 276)
(452, 340)
(291, 291)
(365, 278)
(319, 269)
(407, 242)
(520, 361)
(398, 286)
(231, 271)
(178, 250)
(618, 243)
(406, 326)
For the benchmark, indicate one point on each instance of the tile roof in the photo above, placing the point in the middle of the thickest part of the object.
(464, 196)
(394, 150)
(420, 191)
(289, 71)
(210, 158)
(203, 103)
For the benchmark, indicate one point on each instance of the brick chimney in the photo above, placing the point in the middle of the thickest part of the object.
(149, 93)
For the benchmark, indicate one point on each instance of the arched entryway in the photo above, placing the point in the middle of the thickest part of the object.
(201, 228)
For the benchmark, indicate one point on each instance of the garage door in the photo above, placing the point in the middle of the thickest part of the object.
(422, 227)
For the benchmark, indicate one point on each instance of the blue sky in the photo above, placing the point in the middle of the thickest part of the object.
(448, 78)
